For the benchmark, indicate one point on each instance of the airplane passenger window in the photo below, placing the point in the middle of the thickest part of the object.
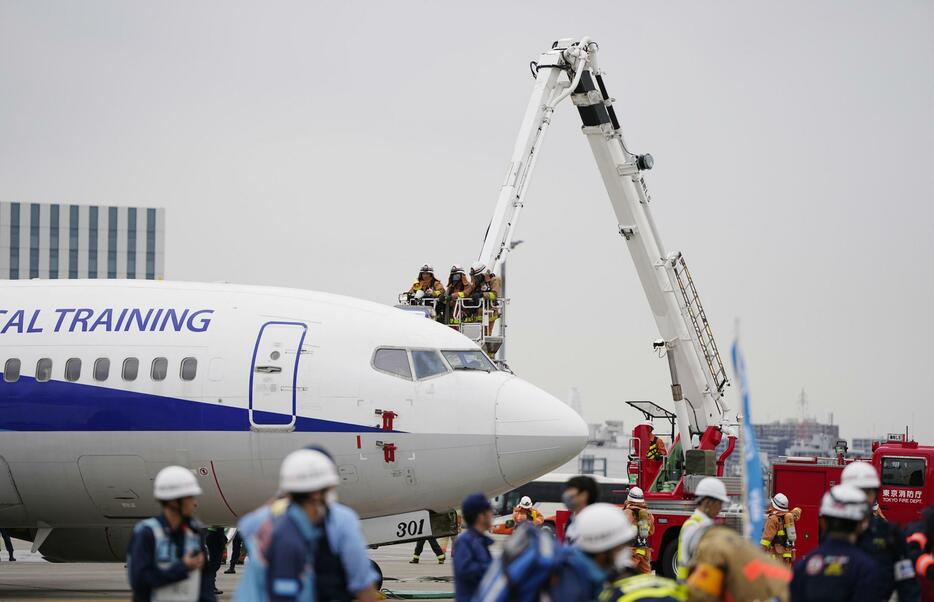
(43, 370)
(189, 368)
(160, 367)
(101, 368)
(393, 361)
(73, 369)
(130, 368)
(469, 360)
(428, 363)
(11, 370)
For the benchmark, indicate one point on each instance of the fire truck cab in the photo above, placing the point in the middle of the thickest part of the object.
(905, 467)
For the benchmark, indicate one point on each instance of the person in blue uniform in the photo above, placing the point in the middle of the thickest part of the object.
(838, 570)
(317, 551)
(166, 559)
(883, 541)
(472, 547)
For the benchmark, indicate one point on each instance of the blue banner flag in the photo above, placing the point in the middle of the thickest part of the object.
(754, 498)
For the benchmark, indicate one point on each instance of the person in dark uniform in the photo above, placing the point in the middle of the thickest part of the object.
(435, 547)
(920, 541)
(166, 559)
(883, 541)
(471, 553)
(216, 542)
(236, 549)
(7, 543)
(837, 570)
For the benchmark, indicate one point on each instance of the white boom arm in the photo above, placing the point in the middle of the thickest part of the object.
(697, 372)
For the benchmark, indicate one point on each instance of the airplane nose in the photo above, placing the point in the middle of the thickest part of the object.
(535, 432)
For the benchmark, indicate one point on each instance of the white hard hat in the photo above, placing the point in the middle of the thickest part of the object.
(602, 527)
(457, 269)
(861, 475)
(478, 267)
(175, 482)
(427, 268)
(636, 496)
(307, 470)
(846, 502)
(780, 502)
(712, 487)
(647, 423)
(525, 502)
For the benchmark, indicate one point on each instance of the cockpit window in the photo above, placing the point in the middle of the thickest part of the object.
(428, 363)
(393, 361)
(469, 360)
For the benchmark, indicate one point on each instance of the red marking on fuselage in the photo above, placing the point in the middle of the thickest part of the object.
(221, 491)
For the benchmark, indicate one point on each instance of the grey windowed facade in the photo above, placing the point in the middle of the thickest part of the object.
(42, 240)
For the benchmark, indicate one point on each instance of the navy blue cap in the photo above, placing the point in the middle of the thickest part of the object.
(473, 505)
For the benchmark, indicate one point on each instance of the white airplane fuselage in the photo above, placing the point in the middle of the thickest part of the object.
(227, 380)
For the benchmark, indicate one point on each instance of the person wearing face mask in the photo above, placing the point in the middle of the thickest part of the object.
(487, 287)
(316, 550)
(579, 492)
(459, 287)
(604, 556)
(165, 559)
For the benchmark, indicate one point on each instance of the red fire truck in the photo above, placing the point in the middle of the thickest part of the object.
(907, 473)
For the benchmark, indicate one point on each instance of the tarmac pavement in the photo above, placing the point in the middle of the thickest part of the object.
(32, 578)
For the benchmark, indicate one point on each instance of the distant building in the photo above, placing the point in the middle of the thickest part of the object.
(606, 454)
(41, 240)
(861, 447)
(796, 437)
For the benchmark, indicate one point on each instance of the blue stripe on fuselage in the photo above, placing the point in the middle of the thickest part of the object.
(27, 405)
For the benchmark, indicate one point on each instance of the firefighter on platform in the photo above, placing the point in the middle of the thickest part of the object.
(525, 512)
(838, 569)
(727, 566)
(638, 514)
(459, 287)
(487, 287)
(656, 449)
(883, 541)
(779, 534)
(428, 287)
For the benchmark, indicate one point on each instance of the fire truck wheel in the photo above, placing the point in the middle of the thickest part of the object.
(379, 573)
(668, 563)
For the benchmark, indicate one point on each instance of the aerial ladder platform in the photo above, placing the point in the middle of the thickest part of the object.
(569, 70)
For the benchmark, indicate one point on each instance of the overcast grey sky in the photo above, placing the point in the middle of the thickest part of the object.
(338, 146)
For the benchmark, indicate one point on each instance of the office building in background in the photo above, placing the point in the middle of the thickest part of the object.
(57, 240)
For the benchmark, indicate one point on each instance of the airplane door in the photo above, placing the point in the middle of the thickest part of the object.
(273, 375)
(118, 485)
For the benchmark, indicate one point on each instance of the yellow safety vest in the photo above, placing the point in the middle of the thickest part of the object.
(682, 572)
(645, 588)
(652, 453)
